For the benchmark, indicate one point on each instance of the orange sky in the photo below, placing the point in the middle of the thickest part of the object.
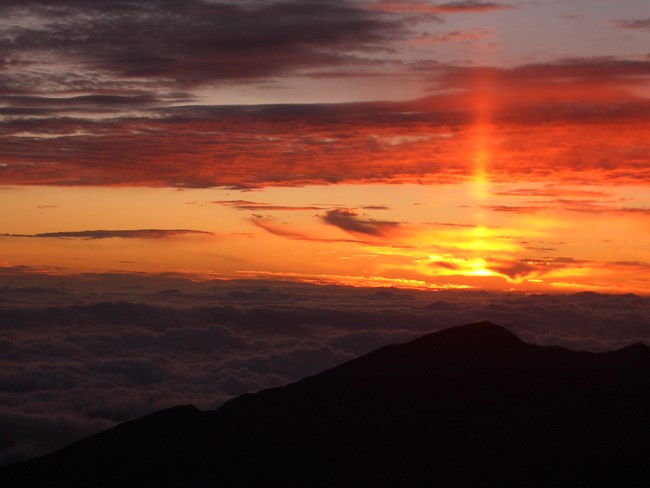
(407, 143)
(524, 236)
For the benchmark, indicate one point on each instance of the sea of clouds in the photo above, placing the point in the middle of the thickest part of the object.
(78, 355)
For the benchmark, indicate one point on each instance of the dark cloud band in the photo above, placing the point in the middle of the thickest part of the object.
(109, 234)
(178, 44)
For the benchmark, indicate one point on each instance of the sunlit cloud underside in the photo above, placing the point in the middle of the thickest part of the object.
(424, 144)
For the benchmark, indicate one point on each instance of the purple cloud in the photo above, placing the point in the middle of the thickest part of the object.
(349, 221)
(180, 44)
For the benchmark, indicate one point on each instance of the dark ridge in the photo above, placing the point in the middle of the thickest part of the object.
(482, 333)
(466, 406)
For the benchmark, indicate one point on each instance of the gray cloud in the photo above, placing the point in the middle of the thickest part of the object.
(633, 24)
(285, 231)
(85, 103)
(457, 7)
(349, 221)
(471, 6)
(179, 44)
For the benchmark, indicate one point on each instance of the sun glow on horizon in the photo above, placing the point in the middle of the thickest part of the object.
(526, 235)
(251, 191)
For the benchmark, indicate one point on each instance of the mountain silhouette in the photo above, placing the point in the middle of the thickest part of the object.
(467, 406)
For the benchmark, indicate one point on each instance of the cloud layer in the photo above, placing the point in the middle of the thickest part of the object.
(177, 44)
(531, 115)
(92, 95)
(78, 355)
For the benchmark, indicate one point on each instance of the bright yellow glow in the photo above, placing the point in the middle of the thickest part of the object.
(406, 236)
(482, 272)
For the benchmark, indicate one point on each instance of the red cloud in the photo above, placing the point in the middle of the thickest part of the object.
(578, 121)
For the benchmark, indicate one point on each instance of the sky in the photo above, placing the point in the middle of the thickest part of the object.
(426, 144)
(205, 198)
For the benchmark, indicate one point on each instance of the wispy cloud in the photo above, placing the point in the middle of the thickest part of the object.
(633, 24)
(549, 191)
(121, 234)
(571, 205)
(458, 7)
(471, 6)
(451, 36)
(597, 81)
(262, 206)
(513, 208)
(280, 230)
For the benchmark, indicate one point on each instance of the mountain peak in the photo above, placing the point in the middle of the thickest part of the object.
(466, 406)
(478, 331)
(481, 338)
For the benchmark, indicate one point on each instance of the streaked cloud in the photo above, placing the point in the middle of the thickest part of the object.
(283, 230)
(550, 191)
(110, 234)
(512, 208)
(571, 205)
(248, 205)
(634, 24)
(468, 35)
(262, 206)
(425, 7)
(471, 6)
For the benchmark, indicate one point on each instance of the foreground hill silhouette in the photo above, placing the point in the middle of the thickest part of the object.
(467, 406)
